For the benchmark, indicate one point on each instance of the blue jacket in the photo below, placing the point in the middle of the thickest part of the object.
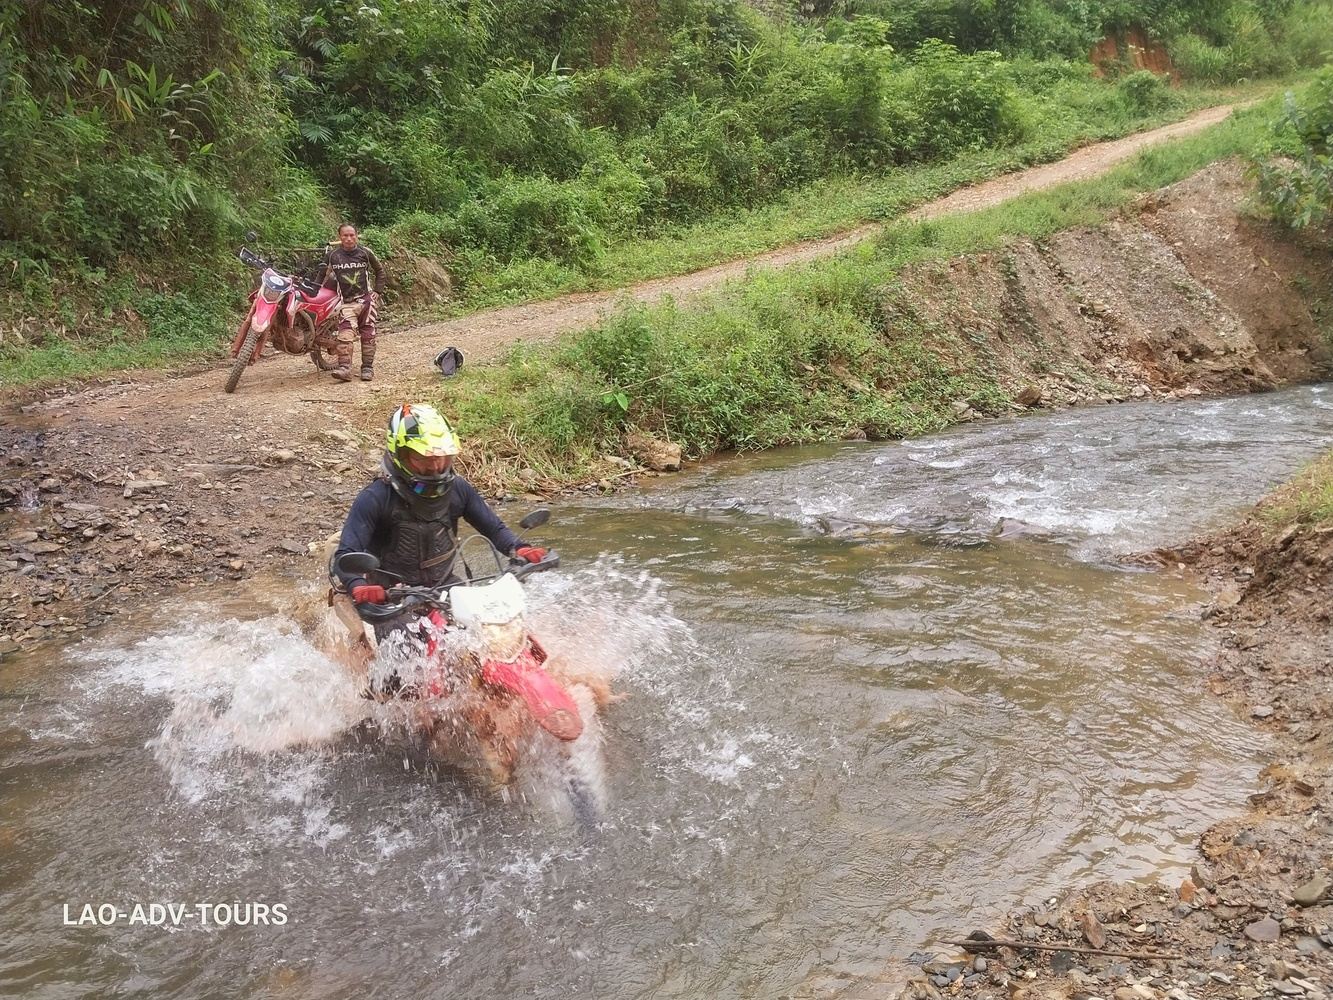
(367, 522)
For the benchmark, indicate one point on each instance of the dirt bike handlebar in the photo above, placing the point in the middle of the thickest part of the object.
(408, 597)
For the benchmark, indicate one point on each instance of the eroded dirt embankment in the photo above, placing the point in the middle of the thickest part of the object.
(117, 493)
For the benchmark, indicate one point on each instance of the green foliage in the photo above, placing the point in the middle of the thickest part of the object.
(1307, 500)
(532, 144)
(957, 102)
(1298, 188)
(1144, 92)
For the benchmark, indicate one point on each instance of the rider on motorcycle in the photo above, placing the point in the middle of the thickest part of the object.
(408, 517)
(348, 268)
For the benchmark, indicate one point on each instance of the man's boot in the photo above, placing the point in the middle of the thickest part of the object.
(368, 358)
(343, 359)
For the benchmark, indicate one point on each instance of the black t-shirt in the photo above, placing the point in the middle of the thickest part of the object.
(350, 270)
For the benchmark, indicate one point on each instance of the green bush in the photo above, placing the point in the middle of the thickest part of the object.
(516, 217)
(1144, 92)
(1306, 33)
(1298, 187)
(954, 102)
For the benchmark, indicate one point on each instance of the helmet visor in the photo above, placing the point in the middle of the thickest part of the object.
(427, 475)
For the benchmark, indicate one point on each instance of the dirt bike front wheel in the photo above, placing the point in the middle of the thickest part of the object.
(321, 361)
(243, 357)
(317, 354)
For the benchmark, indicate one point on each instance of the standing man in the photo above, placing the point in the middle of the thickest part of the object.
(348, 267)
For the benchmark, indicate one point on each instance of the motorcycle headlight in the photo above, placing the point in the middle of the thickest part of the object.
(273, 287)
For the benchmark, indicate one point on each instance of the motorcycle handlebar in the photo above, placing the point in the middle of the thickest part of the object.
(408, 597)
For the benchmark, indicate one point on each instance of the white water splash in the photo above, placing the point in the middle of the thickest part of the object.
(257, 686)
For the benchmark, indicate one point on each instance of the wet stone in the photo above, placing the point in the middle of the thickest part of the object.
(1063, 961)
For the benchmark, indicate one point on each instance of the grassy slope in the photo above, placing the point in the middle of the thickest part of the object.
(1306, 500)
(783, 358)
(824, 208)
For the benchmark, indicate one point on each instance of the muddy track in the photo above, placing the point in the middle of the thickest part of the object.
(404, 355)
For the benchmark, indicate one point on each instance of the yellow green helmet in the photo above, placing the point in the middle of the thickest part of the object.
(420, 428)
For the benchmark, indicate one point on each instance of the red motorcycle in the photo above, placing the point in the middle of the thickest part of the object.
(476, 686)
(289, 309)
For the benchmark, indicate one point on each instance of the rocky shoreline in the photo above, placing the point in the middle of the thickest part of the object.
(1254, 918)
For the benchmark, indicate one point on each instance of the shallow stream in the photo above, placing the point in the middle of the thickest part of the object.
(876, 692)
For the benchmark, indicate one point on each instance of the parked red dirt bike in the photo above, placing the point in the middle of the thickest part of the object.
(479, 691)
(289, 310)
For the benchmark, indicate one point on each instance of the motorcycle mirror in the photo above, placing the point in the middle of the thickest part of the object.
(251, 236)
(536, 519)
(358, 563)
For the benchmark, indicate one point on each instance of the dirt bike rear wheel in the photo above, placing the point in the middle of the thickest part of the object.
(243, 357)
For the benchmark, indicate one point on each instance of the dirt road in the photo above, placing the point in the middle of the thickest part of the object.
(404, 356)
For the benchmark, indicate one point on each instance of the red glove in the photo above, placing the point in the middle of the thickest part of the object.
(368, 593)
(531, 553)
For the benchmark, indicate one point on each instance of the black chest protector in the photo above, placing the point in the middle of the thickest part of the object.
(420, 542)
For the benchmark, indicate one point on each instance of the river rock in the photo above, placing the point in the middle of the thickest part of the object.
(660, 456)
(23, 537)
(1261, 711)
(134, 486)
(1265, 931)
(295, 548)
(1029, 396)
(44, 548)
(1092, 929)
(1312, 892)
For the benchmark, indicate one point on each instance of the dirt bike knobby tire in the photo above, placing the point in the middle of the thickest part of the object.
(242, 359)
(321, 362)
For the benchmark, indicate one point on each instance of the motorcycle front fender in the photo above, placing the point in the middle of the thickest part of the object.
(263, 315)
(544, 697)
